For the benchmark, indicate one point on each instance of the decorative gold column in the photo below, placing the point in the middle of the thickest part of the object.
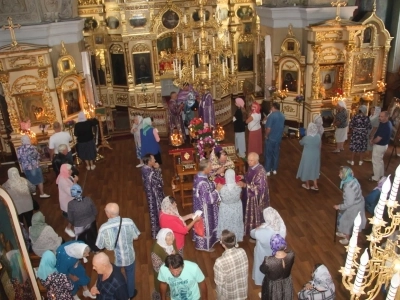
(315, 74)
(348, 69)
(14, 120)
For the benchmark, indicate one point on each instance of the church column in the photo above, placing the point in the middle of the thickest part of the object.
(14, 120)
(129, 67)
(348, 72)
(315, 74)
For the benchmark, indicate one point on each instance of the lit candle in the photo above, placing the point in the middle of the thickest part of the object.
(209, 71)
(213, 43)
(232, 63)
(184, 19)
(350, 255)
(378, 212)
(394, 284)
(223, 68)
(185, 40)
(361, 270)
(177, 41)
(193, 72)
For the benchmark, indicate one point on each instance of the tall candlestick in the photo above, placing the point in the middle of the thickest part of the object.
(394, 285)
(209, 71)
(223, 68)
(378, 212)
(185, 44)
(184, 19)
(361, 270)
(350, 255)
(193, 37)
(232, 63)
(193, 72)
(174, 62)
(177, 41)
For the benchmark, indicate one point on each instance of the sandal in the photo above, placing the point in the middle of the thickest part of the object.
(314, 188)
(305, 186)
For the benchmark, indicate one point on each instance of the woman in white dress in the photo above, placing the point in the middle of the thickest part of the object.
(273, 225)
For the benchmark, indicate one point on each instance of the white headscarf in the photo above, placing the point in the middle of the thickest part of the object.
(273, 220)
(342, 103)
(230, 181)
(140, 121)
(16, 182)
(81, 117)
(319, 122)
(322, 280)
(312, 129)
(161, 236)
(76, 250)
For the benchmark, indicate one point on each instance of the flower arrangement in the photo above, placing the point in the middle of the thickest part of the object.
(195, 126)
(339, 92)
(69, 124)
(299, 98)
(203, 143)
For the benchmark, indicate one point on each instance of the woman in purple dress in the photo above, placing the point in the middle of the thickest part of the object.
(359, 125)
(205, 199)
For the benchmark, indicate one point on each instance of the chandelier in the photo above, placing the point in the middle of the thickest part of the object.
(381, 264)
(204, 55)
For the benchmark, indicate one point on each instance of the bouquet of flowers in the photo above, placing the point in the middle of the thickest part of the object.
(205, 132)
(69, 124)
(203, 143)
(299, 98)
(195, 126)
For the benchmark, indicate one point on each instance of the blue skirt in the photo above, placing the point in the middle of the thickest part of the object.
(35, 176)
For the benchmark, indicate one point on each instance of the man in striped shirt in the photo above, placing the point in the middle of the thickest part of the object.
(121, 244)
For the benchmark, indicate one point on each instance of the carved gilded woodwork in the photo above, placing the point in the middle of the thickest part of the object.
(288, 108)
(40, 60)
(141, 48)
(66, 63)
(88, 2)
(22, 61)
(116, 49)
(71, 95)
(111, 99)
(145, 99)
(330, 55)
(4, 78)
(122, 99)
(315, 73)
(43, 73)
(329, 36)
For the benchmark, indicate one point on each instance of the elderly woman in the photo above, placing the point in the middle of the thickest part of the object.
(320, 124)
(43, 236)
(135, 130)
(321, 287)
(65, 182)
(86, 147)
(68, 256)
(353, 203)
(220, 162)
(255, 131)
(82, 215)
(277, 283)
(164, 246)
(170, 218)
(150, 140)
(230, 209)
(273, 225)
(239, 127)
(57, 284)
(28, 157)
(20, 191)
(360, 126)
(341, 125)
(310, 162)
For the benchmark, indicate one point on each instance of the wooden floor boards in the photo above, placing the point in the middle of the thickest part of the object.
(308, 215)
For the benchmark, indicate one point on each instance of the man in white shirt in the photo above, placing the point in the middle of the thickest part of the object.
(59, 137)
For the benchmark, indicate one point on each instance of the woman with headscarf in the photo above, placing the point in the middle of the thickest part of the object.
(170, 218)
(321, 287)
(353, 203)
(68, 257)
(86, 146)
(43, 236)
(239, 127)
(20, 191)
(220, 162)
(372, 199)
(277, 283)
(359, 126)
(255, 131)
(82, 215)
(137, 125)
(341, 124)
(230, 209)
(320, 124)
(310, 162)
(28, 157)
(274, 224)
(150, 140)
(57, 284)
(164, 246)
(65, 182)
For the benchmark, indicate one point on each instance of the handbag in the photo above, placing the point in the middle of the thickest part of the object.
(199, 227)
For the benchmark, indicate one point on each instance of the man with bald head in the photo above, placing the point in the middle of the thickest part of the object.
(257, 193)
(110, 282)
(117, 234)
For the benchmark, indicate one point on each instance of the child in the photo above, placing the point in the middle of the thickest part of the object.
(137, 125)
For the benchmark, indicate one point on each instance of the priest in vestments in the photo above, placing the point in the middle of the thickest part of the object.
(187, 95)
(205, 199)
(256, 184)
(154, 188)
(175, 115)
(206, 109)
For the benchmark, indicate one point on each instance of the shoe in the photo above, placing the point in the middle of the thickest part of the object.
(372, 179)
(336, 151)
(274, 172)
(314, 188)
(44, 196)
(304, 186)
(259, 295)
(88, 294)
(92, 167)
(350, 162)
(88, 168)
(139, 166)
(268, 173)
(367, 159)
(34, 194)
(76, 297)
(69, 232)
(339, 234)
(360, 163)
(134, 294)
(344, 241)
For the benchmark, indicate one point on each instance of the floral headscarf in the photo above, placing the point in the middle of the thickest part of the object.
(170, 209)
(312, 129)
(161, 236)
(322, 280)
(277, 243)
(273, 220)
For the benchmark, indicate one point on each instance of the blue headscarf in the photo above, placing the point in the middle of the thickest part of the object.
(347, 176)
(76, 192)
(146, 125)
(47, 265)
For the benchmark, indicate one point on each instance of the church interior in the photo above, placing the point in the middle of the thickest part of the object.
(116, 59)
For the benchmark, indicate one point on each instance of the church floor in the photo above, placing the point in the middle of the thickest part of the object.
(308, 215)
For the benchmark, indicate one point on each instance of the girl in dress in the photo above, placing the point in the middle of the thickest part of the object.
(255, 131)
(137, 125)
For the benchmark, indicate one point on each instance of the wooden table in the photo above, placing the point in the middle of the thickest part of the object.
(185, 186)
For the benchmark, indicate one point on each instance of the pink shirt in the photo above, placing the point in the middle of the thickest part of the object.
(64, 192)
(177, 226)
